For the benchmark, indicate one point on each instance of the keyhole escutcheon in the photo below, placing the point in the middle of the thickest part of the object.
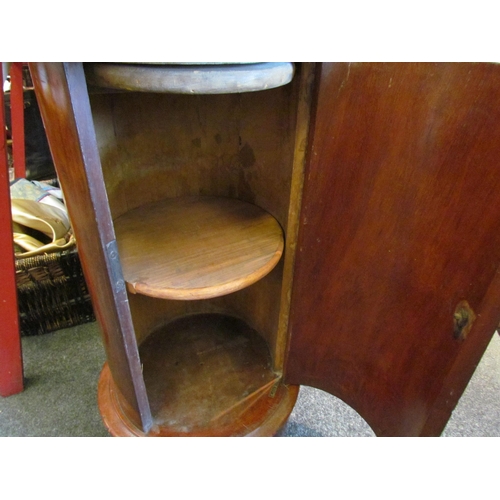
(463, 318)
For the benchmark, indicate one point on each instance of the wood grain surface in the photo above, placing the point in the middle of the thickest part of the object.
(400, 224)
(197, 247)
(61, 92)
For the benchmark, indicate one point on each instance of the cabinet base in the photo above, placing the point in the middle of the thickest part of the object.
(264, 417)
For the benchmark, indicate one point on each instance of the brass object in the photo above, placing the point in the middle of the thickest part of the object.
(463, 319)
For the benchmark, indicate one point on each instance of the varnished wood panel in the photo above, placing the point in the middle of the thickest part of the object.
(400, 224)
(62, 95)
(156, 146)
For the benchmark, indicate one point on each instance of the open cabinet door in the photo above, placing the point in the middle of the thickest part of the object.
(397, 289)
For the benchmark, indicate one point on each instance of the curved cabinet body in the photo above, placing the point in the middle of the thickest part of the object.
(181, 191)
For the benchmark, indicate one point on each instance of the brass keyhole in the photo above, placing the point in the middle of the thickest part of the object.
(463, 318)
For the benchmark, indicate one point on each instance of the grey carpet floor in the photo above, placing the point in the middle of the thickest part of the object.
(60, 398)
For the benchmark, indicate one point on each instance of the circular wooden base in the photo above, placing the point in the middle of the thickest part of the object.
(263, 418)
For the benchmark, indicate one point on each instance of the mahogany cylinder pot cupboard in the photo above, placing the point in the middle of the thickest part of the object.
(246, 229)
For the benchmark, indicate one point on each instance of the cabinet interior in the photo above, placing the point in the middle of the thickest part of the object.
(160, 150)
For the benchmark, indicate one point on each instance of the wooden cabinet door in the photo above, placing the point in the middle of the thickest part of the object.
(397, 288)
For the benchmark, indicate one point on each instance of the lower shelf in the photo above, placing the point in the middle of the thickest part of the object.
(206, 375)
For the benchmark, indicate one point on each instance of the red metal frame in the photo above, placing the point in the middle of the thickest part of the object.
(11, 363)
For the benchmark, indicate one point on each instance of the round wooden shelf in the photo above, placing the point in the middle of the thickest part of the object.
(190, 78)
(196, 247)
(206, 375)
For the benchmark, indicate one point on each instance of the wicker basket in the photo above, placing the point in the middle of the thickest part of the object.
(52, 293)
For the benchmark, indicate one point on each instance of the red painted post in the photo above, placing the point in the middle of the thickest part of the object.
(11, 363)
(17, 119)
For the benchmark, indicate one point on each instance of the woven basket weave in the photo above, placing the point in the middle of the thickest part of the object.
(52, 293)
